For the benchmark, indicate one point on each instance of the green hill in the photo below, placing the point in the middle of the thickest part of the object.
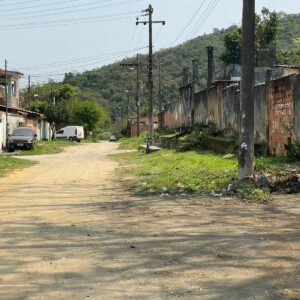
(108, 83)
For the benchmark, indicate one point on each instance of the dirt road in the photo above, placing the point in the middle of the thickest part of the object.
(69, 231)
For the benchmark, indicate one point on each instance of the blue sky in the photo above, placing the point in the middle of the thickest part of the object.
(41, 39)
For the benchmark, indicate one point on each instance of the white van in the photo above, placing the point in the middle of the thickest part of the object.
(71, 133)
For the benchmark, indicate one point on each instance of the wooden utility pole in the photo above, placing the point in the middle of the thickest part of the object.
(149, 13)
(138, 104)
(246, 144)
(6, 106)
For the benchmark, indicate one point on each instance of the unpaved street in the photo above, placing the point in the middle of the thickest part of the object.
(69, 231)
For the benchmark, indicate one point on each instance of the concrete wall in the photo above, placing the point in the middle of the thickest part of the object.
(297, 106)
(261, 113)
(281, 113)
(231, 110)
(276, 106)
(201, 108)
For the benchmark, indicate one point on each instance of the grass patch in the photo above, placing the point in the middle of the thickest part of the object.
(8, 163)
(273, 163)
(194, 172)
(132, 143)
(176, 172)
(46, 147)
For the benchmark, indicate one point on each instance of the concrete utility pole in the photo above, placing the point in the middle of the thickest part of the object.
(29, 92)
(246, 146)
(149, 13)
(138, 104)
(194, 81)
(210, 66)
(6, 106)
(160, 96)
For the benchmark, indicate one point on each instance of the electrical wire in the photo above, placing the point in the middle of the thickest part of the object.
(37, 14)
(59, 63)
(56, 24)
(206, 15)
(58, 71)
(200, 22)
(68, 21)
(36, 6)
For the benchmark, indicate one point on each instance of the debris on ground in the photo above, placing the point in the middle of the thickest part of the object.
(280, 181)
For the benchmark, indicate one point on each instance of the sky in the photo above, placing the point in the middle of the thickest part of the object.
(47, 38)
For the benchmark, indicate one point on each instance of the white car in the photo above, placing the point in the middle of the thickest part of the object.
(71, 133)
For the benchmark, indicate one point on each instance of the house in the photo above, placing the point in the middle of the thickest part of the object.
(16, 115)
(143, 124)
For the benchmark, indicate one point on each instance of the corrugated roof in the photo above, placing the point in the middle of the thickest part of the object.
(21, 111)
(2, 72)
(288, 66)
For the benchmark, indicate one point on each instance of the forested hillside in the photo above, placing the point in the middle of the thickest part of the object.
(107, 84)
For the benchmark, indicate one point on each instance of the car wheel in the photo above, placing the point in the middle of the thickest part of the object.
(71, 139)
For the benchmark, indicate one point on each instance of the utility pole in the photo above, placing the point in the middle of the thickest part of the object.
(194, 81)
(138, 104)
(160, 96)
(6, 106)
(210, 66)
(149, 13)
(246, 146)
(29, 91)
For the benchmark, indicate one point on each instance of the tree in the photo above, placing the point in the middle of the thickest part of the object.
(232, 42)
(64, 91)
(90, 115)
(290, 56)
(266, 38)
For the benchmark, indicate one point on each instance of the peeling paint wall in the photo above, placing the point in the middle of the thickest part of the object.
(276, 111)
(231, 110)
(297, 106)
(201, 108)
(261, 113)
(175, 115)
(281, 113)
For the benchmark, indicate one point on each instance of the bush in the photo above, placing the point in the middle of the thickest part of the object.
(292, 151)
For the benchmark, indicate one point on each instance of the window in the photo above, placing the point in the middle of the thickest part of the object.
(60, 132)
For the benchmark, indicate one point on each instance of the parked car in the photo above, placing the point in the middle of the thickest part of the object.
(112, 138)
(22, 138)
(71, 133)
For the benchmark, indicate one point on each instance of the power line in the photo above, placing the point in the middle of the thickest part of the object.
(56, 24)
(63, 71)
(80, 59)
(206, 15)
(69, 21)
(37, 14)
(201, 20)
(189, 22)
(34, 6)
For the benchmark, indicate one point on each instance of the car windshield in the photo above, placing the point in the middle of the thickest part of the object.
(22, 132)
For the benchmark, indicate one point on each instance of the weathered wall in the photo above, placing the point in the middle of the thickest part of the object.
(201, 108)
(231, 110)
(276, 111)
(212, 105)
(297, 106)
(281, 113)
(260, 114)
(175, 115)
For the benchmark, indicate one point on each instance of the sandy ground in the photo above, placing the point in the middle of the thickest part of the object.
(70, 231)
